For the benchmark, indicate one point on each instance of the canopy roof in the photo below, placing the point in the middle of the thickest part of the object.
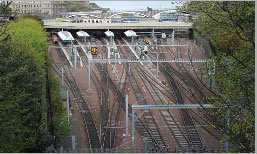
(82, 34)
(130, 33)
(65, 36)
(109, 33)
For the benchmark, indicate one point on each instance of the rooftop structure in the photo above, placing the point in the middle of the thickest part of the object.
(66, 36)
(82, 34)
(130, 33)
(109, 33)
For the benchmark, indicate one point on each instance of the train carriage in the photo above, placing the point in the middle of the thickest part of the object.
(94, 50)
(55, 39)
(146, 41)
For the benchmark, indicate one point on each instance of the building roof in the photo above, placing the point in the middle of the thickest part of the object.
(130, 33)
(109, 33)
(65, 36)
(82, 34)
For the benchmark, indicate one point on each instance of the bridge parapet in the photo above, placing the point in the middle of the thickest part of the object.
(51, 24)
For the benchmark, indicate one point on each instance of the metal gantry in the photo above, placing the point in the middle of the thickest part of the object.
(176, 60)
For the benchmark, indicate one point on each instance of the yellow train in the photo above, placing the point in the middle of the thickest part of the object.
(94, 51)
(146, 41)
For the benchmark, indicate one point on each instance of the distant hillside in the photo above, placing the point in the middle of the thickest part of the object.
(81, 6)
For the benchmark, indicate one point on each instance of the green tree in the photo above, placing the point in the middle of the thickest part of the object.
(31, 32)
(5, 14)
(230, 27)
(35, 17)
(21, 97)
(24, 77)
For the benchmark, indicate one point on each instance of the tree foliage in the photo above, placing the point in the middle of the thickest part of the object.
(5, 14)
(23, 114)
(21, 97)
(230, 25)
(35, 17)
(29, 31)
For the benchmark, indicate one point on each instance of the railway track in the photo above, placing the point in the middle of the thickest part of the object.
(193, 136)
(140, 126)
(198, 94)
(178, 133)
(148, 118)
(105, 111)
(102, 91)
(142, 129)
(92, 134)
(187, 77)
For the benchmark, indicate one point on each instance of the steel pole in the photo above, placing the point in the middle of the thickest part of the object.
(157, 67)
(129, 68)
(126, 115)
(173, 36)
(226, 144)
(72, 52)
(89, 86)
(133, 129)
(75, 61)
(62, 75)
(68, 105)
(73, 140)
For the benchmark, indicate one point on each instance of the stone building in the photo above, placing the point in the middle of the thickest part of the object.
(45, 9)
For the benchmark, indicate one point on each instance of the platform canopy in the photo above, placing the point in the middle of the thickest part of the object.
(82, 34)
(109, 33)
(66, 36)
(130, 33)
